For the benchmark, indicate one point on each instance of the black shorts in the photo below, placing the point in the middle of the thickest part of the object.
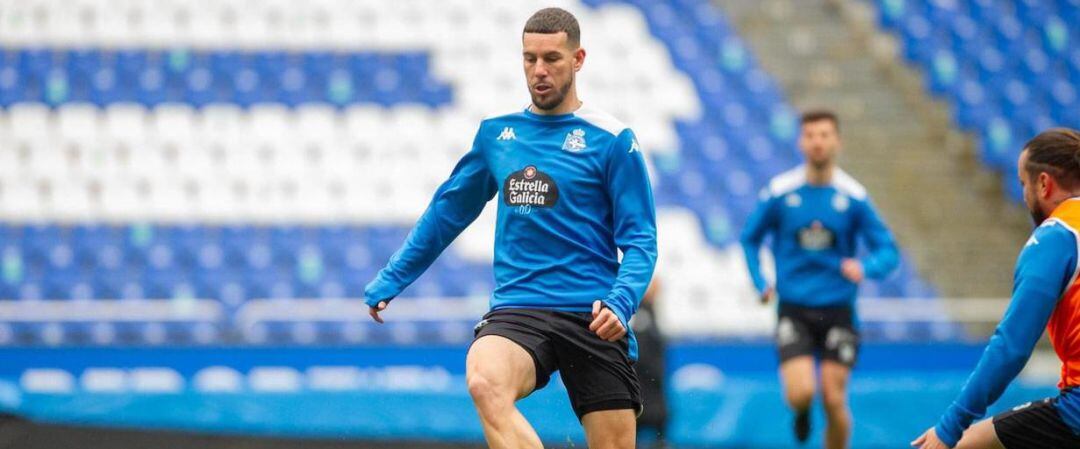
(827, 333)
(1035, 425)
(598, 374)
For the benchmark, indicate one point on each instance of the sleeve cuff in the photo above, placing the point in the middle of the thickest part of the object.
(952, 425)
(945, 436)
(378, 290)
(870, 268)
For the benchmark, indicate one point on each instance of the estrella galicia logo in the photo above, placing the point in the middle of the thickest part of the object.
(816, 237)
(528, 188)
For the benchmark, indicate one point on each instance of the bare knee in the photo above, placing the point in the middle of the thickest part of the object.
(622, 441)
(835, 402)
(798, 378)
(834, 381)
(799, 396)
(489, 398)
(610, 429)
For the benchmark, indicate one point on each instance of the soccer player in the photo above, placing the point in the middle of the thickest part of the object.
(815, 214)
(651, 368)
(574, 192)
(1046, 294)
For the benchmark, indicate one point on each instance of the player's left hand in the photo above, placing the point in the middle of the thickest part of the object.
(852, 270)
(929, 440)
(605, 323)
(374, 311)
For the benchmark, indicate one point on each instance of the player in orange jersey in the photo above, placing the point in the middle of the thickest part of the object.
(1046, 294)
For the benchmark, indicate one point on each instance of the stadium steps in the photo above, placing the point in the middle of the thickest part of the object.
(898, 141)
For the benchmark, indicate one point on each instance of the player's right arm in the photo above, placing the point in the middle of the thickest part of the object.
(1043, 271)
(761, 221)
(455, 205)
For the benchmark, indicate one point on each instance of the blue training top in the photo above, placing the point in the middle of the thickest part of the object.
(813, 229)
(574, 192)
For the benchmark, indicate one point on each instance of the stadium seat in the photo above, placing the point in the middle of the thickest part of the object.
(1021, 53)
(178, 151)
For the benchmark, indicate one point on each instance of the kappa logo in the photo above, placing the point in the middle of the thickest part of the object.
(575, 141)
(1021, 406)
(634, 146)
(507, 134)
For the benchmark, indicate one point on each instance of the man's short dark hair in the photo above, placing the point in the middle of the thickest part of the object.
(555, 20)
(817, 115)
(1055, 152)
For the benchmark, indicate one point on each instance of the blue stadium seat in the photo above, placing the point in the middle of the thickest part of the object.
(746, 135)
(1021, 56)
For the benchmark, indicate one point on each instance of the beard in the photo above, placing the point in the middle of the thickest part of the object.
(821, 164)
(1037, 216)
(554, 99)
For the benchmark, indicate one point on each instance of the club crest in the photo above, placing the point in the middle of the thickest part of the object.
(575, 141)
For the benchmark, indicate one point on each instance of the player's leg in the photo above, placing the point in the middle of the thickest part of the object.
(600, 380)
(834, 382)
(797, 378)
(652, 424)
(795, 344)
(980, 436)
(839, 351)
(498, 373)
(1033, 425)
(610, 429)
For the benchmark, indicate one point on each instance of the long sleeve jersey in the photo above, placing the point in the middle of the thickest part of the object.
(1046, 295)
(813, 229)
(573, 192)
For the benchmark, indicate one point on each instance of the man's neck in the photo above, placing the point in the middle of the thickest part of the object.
(819, 176)
(1064, 198)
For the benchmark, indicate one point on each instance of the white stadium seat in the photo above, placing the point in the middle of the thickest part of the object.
(364, 164)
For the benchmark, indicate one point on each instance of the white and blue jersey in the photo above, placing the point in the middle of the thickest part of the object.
(573, 192)
(813, 229)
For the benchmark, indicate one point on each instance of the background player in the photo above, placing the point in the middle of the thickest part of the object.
(1046, 294)
(574, 192)
(651, 368)
(815, 214)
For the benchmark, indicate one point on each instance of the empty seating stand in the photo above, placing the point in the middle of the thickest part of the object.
(1009, 69)
(258, 161)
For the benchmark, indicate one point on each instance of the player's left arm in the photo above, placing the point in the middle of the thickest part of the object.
(883, 255)
(1043, 271)
(634, 221)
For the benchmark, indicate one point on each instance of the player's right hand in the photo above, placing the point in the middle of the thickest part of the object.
(374, 311)
(605, 323)
(767, 295)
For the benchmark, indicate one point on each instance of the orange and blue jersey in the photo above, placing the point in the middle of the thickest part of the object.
(1046, 295)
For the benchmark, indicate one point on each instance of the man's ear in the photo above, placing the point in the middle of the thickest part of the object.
(579, 58)
(1046, 185)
